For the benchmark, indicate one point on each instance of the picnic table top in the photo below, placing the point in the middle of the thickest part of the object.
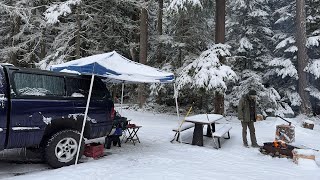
(204, 118)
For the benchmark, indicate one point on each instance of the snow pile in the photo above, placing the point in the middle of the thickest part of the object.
(33, 91)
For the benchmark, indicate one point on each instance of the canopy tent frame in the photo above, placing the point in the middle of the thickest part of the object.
(82, 68)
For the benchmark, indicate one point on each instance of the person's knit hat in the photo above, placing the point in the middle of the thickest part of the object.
(252, 92)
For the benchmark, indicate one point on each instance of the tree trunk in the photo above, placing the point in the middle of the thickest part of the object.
(220, 38)
(134, 37)
(15, 30)
(78, 42)
(301, 38)
(43, 44)
(159, 29)
(143, 48)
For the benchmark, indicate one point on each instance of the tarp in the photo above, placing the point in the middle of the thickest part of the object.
(116, 68)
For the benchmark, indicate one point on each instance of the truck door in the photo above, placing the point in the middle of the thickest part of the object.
(3, 108)
(99, 109)
(36, 99)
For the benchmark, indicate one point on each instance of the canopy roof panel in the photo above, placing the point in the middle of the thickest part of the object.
(115, 68)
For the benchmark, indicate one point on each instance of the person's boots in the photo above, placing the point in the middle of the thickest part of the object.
(107, 143)
(255, 145)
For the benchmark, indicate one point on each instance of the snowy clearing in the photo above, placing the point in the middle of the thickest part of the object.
(156, 158)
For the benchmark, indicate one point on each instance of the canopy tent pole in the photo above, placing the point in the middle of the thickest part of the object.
(85, 117)
(176, 99)
(177, 106)
(122, 89)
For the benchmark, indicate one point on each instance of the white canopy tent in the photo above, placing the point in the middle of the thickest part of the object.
(117, 69)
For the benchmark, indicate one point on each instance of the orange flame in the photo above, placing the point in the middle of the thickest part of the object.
(279, 144)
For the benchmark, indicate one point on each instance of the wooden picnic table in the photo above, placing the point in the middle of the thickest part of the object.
(200, 120)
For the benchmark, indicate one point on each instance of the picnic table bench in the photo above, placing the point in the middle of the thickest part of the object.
(221, 132)
(198, 121)
(184, 126)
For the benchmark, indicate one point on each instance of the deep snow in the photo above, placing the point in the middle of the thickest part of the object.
(156, 158)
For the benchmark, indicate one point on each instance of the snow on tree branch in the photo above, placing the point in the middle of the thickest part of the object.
(207, 72)
(283, 43)
(53, 13)
(314, 92)
(258, 13)
(314, 68)
(313, 41)
(294, 98)
(284, 67)
(245, 45)
(175, 5)
(291, 49)
(23, 13)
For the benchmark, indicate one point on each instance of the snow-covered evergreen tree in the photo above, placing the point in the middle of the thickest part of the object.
(250, 36)
(103, 27)
(313, 45)
(284, 72)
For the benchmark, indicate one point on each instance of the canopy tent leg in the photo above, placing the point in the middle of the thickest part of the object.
(85, 118)
(177, 106)
(122, 89)
(176, 99)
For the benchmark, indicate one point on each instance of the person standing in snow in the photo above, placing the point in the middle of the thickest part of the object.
(247, 116)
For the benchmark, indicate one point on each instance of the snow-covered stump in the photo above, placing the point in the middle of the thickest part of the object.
(308, 124)
(285, 133)
(302, 154)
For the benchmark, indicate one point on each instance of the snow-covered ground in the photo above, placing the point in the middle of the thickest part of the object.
(156, 158)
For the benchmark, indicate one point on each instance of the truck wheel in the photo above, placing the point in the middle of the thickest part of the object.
(61, 149)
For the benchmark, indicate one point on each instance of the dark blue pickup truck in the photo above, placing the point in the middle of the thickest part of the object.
(44, 110)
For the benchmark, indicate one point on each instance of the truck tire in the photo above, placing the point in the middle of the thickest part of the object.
(61, 148)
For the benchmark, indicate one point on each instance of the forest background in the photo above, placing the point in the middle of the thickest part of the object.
(271, 46)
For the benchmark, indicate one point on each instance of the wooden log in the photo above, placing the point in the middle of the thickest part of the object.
(302, 154)
(259, 117)
(308, 124)
(285, 133)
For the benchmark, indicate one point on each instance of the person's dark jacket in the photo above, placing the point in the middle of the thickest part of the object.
(244, 109)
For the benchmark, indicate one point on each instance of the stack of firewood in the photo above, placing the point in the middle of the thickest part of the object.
(308, 124)
(285, 133)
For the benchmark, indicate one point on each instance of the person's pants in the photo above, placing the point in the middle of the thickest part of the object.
(249, 125)
(114, 139)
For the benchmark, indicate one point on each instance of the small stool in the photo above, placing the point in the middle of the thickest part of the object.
(133, 136)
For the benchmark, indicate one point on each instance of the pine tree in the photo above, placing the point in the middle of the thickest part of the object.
(250, 34)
